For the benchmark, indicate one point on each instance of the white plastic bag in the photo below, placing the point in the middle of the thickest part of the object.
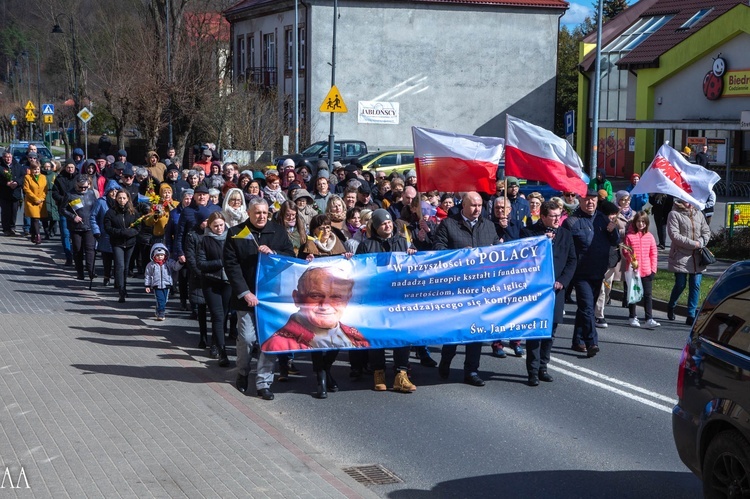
(633, 286)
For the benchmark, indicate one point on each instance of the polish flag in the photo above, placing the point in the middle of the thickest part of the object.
(533, 153)
(450, 162)
(670, 173)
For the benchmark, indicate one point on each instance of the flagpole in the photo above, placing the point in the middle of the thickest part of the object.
(597, 85)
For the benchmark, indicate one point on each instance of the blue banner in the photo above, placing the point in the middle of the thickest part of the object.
(386, 300)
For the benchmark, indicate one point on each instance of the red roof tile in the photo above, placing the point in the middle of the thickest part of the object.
(554, 4)
(647, 53)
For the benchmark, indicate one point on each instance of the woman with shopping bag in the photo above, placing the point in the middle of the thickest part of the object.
(640, 254)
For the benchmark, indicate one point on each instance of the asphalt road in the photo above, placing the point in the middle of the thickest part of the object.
(601, 429)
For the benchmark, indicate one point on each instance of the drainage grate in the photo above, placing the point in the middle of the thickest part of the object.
(372, 474)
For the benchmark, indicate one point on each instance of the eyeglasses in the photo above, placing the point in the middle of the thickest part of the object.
(569, 194)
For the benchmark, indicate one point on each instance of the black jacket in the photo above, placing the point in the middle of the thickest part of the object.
(88, 199)
(241, 257)
(210, 261)
(511, 232)
(455, 233)
(117, 223)
(64, 183)
(376, 244)
(592, 242)
(17, 172)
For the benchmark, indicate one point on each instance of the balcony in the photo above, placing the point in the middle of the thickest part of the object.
(264, 77)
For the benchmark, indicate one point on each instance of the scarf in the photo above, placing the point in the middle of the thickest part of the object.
(627, 214)
(209, 233)
(234, 216)
(275, 195)
(337, 217)
(327, 246)
(352, 229)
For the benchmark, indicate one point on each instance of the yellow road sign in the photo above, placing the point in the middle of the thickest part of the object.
(29, 107)
(30, 116)
(49, 119)
(13, 122)
(85, 115)
(333, 103)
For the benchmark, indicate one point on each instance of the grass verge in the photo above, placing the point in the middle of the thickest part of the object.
(664, 281)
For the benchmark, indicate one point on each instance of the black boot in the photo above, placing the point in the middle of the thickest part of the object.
(322, 385)
(670, 314)
(332, 385)
(122, 296)
(223, 359)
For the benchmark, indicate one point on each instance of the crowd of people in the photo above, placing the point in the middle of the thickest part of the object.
(198, 232)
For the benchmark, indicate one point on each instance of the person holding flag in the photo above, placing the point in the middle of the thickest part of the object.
(77, 208)
(690, 184)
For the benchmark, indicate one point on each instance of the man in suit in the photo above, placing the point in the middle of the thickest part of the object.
(322, 295)
(564, 261)
(244, 243)
(466, 229)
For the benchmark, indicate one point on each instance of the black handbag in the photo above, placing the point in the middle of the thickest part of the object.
(707, 258)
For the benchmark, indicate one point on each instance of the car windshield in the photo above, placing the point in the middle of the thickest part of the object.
(315, 149)
(20, 152)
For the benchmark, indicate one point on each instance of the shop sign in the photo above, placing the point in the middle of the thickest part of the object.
(737, 83)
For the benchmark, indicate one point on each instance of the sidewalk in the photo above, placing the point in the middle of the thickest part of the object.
(98, 400)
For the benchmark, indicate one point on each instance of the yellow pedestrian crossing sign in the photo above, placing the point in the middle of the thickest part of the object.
(30, 116)
(29, 107)
(49, 119)
(333, 103)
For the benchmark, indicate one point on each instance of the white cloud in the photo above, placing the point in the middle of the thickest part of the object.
(577, 13)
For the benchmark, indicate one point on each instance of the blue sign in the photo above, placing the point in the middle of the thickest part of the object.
(12, 117)
(570, 122)
(48, 109)
(387, 300)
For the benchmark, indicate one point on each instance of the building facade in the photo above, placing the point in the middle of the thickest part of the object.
(459, 66)
(672, 70)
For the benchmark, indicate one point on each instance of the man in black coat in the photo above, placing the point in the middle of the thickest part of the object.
(564, 260)
(11, 190)
(593, 235)
(65, 182)
(467, 229)
(242, 248)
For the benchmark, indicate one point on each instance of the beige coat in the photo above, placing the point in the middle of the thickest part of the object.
(35, 195)
(686, 227)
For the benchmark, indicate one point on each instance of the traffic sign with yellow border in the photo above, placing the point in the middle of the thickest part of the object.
(49, 119)
(29, 106)
(30, 116)
(85, 115)
(333, 103)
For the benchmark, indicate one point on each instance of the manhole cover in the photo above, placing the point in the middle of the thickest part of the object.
(372, 474)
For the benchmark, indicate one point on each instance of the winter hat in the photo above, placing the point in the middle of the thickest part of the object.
(187, 192)
(364, 188)
(206, 152)
(201, 189)
(410, 174)
(163, 188)
(111, 186)
(78, 152)
(172, 167)
(288, 162)
(621, 194)
(128, 171)
(322, 165)
(159, 251)
(110, 159)
(322, 173)
(302, 193)
(378, 217)
(259, 175)
(608, 208)
(686, 151)
(122, 152)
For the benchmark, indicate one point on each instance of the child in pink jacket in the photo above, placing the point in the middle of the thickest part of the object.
(643, 244)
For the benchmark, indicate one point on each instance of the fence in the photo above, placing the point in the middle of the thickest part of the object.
(736, 189)
(737, 216)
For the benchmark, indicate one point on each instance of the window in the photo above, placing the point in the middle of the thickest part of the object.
(251, 51)
(269, 51)
(241, 55)
(696, 18)
(288, 48)
(302, 55)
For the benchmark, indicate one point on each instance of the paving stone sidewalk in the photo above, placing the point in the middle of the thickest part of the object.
(98, 400)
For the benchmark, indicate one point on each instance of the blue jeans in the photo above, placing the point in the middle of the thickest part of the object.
(161, 295)
(680, 280)
(65, 238)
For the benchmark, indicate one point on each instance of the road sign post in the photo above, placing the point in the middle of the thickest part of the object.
(85, 116)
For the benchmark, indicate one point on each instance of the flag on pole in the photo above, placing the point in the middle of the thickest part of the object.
(671, 173)
(451, 162)
(244, 234)
(76, 204)
(533, 153)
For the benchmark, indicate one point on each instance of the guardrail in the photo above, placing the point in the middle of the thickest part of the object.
(736, 189)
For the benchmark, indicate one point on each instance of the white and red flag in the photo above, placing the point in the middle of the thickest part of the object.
(450, 162)
(533, 153)
(670, 173)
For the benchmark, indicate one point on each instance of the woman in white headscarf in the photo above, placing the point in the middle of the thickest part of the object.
(234, 207)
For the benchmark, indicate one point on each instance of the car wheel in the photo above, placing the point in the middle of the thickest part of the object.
(726, 467)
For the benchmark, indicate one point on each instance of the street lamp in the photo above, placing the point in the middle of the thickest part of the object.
(58, 29)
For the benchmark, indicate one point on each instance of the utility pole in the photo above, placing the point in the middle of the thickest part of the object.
(597, 90)
(333, 81)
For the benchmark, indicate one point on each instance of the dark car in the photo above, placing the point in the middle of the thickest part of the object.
(343, 150)
(18, 150)
(711, 421)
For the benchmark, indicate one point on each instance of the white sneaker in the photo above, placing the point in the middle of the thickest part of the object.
(633, 321)
(651, 323)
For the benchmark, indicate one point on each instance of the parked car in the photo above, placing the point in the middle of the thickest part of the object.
(344, 151)
(18, 150)
(388, 161)
(711, 421)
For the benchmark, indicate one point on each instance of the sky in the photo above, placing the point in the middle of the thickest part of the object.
(578, 11)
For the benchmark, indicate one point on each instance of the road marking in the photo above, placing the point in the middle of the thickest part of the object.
(637, 398)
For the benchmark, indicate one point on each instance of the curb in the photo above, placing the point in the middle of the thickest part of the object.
(659, 305)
